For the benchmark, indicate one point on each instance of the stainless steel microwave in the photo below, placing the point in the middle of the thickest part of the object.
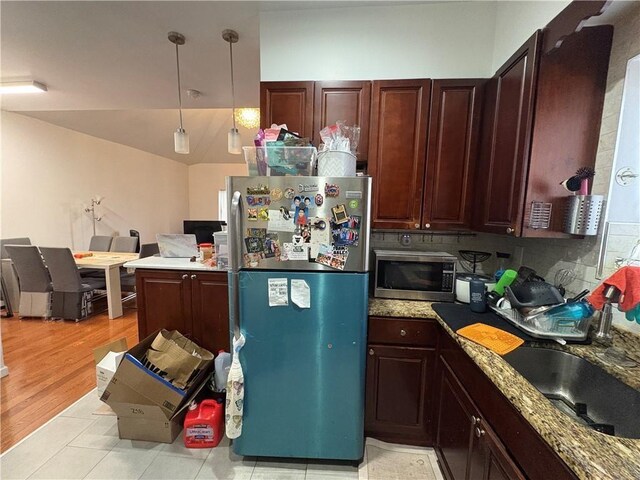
(411, 275)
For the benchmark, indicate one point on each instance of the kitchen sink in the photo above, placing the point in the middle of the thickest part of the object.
(581, 390)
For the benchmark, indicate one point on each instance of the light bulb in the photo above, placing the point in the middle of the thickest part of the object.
(181, 141)
(247, 117)
(234, 142)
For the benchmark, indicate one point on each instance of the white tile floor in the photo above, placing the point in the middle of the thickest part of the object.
(78, 444)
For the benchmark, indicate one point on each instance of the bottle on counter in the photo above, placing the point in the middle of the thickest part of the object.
(477, 296)
(206, 251)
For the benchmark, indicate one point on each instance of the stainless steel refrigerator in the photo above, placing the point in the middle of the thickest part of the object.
(299, 254)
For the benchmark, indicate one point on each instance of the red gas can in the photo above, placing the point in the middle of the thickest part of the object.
(203, 425)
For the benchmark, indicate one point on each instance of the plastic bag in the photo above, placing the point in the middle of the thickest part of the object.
(340, 137)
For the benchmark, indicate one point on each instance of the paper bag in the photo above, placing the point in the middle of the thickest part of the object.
(177, 357)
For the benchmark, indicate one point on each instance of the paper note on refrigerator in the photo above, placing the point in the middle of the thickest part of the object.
(278, 292)
(281, 220)
(300, 293)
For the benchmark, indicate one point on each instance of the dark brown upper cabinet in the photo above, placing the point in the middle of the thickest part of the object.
(541, 123)
(349, 101)
(397, 147)
(505, 151)
(452, 150)
(287, 102)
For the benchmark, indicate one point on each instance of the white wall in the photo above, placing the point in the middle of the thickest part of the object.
(515, 23)
(205, 180)
(49, 175)
(442, 40)
(624, 201)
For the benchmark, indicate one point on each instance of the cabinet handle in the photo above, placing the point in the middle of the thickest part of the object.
(185, 276)
(475, 420)
(193, 277)
(427, 225)
(403, 333)
(479, 432)
(510, 230)
(416, 225)
(371, 352)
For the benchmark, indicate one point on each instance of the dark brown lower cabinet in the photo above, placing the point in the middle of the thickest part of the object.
(398, 393)
(192, 302)
(466, 446)
(423, 389)
(400, 368)
(478, 433)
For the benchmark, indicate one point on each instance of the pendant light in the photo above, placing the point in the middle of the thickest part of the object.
(234, 143)
(180, 136)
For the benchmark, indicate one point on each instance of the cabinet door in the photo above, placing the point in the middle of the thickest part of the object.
(398, 394)
(287, 102)
(164, 301)
(569, 101)
(506, 141)
(397, 151)
(489, 458)
(452, 150)
(210, 306)
(343, 100)
(456, 418)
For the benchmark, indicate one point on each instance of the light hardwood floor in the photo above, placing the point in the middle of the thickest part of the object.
(51, 366)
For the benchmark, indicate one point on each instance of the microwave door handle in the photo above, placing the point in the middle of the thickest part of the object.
(236, 258)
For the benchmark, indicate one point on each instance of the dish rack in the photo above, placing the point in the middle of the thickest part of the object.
(541, 326)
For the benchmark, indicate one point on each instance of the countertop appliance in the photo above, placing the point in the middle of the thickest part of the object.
(462, 285)
(299, 253)
(414, 275)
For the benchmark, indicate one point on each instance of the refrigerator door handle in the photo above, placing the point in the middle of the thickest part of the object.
(236, 258)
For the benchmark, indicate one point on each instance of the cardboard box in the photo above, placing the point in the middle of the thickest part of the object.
(106, 369)
(107, 358)
(149, 407)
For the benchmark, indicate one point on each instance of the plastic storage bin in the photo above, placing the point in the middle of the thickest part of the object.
(222, 250)
(275, 160)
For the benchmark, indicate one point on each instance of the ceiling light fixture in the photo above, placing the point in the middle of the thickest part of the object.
(234, 143)
(22, 87)
(180, 136)
(248, 117)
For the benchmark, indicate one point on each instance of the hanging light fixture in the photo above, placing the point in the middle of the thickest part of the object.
(234, 143)
(248, 117)
(180, 136)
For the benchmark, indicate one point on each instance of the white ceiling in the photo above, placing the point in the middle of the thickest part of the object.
(111, 71)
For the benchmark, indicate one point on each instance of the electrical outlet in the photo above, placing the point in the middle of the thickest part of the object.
(405, 240)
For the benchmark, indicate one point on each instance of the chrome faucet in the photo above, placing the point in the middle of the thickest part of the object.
(603, 335)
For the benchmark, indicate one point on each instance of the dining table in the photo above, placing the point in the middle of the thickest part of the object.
(110, 262)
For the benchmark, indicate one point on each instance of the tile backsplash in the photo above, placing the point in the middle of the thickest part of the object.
(546, 256)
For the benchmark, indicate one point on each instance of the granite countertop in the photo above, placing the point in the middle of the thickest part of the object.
(161, 263)
(589, 454)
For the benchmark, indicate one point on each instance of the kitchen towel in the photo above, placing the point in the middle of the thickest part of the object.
(493, 338)
(235, 392)
(627, 280)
